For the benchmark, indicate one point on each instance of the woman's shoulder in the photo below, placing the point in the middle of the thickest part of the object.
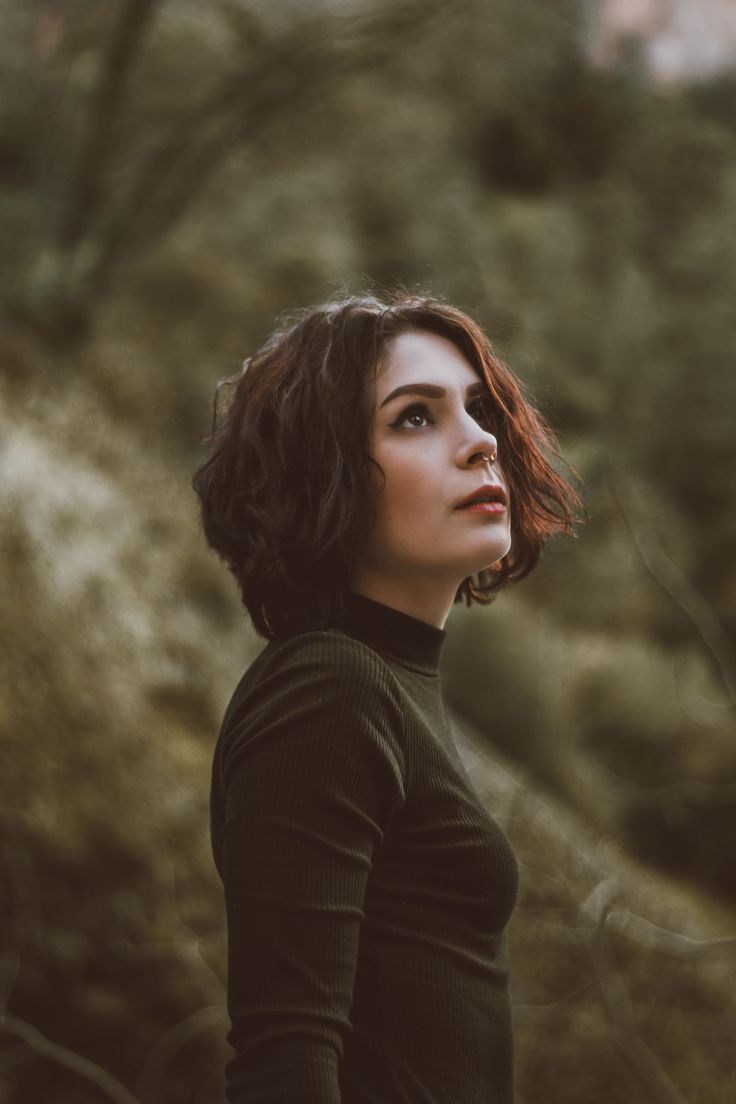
(329, 651)
(311, 685)
(324, 665)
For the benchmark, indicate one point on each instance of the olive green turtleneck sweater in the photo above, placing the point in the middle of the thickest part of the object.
(367, 889)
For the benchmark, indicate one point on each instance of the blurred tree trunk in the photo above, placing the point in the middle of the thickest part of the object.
(87, 192)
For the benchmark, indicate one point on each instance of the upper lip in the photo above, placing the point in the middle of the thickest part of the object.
(487, 490)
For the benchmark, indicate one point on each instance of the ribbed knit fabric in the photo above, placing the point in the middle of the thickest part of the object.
(367, 889)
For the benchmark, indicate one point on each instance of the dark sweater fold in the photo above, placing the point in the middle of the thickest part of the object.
(367, 888)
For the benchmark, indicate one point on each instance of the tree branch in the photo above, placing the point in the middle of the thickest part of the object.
(673, 580)
(171, 1042)
(303, 62)
(105, 1082)
(537, 1013)
(674, 944)
(632, 1048)
(87, 193)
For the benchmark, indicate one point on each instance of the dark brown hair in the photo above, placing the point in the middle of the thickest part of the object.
(286, 497)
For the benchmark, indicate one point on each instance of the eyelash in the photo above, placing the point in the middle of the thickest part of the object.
(421, 408)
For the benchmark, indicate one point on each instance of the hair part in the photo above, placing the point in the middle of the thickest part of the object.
(286, 497)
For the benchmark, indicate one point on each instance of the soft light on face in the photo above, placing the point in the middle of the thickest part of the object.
(429, 447)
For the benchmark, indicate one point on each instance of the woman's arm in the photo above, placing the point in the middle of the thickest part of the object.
(313, 773)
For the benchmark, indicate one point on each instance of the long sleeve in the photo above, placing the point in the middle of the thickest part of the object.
(312, 772)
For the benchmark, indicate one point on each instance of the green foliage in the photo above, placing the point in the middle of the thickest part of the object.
(112, 913)
(620, 982)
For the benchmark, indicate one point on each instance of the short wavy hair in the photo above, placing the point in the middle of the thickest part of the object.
(285, 494)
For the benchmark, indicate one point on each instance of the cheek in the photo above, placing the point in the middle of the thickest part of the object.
(405, 475)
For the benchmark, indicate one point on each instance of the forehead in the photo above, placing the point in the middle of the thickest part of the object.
(421, 357)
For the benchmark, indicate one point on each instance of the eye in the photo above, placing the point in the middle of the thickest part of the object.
(416, 410)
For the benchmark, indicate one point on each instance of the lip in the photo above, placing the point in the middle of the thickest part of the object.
(471, 502)
(489, 508)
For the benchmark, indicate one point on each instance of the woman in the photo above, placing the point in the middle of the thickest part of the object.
(376, 464)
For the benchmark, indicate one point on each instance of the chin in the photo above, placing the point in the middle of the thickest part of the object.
(494, 564)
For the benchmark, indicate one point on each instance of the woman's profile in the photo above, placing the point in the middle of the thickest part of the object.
(376, 463)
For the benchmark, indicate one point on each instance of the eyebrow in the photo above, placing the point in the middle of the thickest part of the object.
(431, 391)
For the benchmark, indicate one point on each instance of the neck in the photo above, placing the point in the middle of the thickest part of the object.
(428, 603)
(407, 640)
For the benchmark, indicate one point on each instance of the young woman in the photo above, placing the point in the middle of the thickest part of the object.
(377, 463)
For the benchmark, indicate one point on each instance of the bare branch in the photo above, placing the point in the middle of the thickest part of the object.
(672, 579)
(536, 1013)
(675, 944)
(188, 948)
(636, 1053)
(105, 1082)
(105, 101)
(188, 951)
(171, 1043)
(303, 62)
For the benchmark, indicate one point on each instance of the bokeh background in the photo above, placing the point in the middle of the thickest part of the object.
(175, 175)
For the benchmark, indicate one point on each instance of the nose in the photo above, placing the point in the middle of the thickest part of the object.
(483, 448)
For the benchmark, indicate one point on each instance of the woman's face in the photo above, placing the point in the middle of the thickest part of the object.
(429, 447)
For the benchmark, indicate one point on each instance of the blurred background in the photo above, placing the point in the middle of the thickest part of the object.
(177, 174)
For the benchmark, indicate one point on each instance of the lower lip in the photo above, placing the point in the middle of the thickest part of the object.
(484, 508)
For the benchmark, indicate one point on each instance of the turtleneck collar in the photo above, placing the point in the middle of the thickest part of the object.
(411, 642)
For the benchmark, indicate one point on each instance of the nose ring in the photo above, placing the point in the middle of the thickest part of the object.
(489, 459)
